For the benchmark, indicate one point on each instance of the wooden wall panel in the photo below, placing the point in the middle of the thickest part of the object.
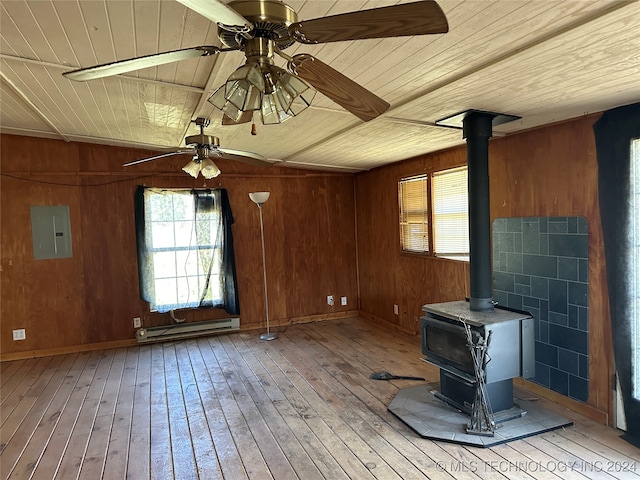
(387, 276)
(550, 171)
(326, 227)
(553, 172)
(93, 297)
(310, 237)
(25, 281)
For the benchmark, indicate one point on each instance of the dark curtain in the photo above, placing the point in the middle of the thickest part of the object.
(205, 202)
(144, 256)
(614, 132)
(231, 302)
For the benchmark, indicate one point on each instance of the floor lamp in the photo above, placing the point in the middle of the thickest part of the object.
(259, 198)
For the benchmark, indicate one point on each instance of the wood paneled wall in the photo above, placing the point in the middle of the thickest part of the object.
(550, 171)
(93, 296)
(311, 221)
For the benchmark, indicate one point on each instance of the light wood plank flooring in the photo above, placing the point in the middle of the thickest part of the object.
(233, 407)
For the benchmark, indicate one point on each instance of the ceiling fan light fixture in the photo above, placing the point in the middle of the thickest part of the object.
(299, 91)
(204, 166)
(228, 108)
(193, 167)
(272, 110)
(241, 92)
(208, 169)
(244, 86)
(278, 94)
(291, 95)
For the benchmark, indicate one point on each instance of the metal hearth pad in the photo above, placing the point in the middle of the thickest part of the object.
(434, 419)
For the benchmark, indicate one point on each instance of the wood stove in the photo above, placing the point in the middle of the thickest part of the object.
(510, 352)
(451, 330)
(508, 333)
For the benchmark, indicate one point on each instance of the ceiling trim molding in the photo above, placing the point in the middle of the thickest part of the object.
(336, 168)
(29, 132)
(85, 139)
(36, 110)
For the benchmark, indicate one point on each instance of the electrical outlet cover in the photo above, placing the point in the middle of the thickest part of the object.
(19, 334)
(343, 301)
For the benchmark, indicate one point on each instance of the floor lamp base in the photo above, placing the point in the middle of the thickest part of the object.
(268, 336)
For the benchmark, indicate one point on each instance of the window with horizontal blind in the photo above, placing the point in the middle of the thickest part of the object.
(451, 214)
(414, 214)
(434, 214)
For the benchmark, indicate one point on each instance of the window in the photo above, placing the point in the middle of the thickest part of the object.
(414, 214)
(635, 270)
(181, 249)
(434, 214)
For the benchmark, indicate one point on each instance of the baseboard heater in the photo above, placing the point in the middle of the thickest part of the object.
(187, 330)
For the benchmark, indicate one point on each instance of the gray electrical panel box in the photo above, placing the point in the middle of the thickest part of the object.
(51, 232)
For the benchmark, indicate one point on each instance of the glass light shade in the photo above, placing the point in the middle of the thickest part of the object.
(278, 94)
(272, 110)
(229, 109)
(244, 86)
(192, 168)
(259, 197)
(241, 92)
(208, 169)
(301, 92)
(289, 96)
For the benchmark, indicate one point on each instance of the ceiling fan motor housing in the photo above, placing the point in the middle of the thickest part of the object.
(203, 144)
(270, 18)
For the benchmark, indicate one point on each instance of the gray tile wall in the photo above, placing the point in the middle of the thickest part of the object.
(540, 265)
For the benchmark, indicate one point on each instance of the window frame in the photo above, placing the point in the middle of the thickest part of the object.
(401, 223)
(216, 249)
(429, 177)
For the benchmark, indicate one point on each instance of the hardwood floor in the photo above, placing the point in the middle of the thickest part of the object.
(233, 407)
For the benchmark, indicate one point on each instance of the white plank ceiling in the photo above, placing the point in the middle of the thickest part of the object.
(543, 60)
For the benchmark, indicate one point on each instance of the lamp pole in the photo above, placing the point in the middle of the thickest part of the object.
(259, 198)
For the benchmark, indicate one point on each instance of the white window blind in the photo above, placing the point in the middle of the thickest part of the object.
(414, 214)
(451, 214)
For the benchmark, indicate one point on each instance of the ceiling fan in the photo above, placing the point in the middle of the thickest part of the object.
(201, 147)
(262, 28)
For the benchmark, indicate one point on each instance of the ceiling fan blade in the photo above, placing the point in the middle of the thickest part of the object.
(138, 63)
(219, 13)
(246, 117)
(406, 19)
(342, 90)
(249, 158)
(156, 157)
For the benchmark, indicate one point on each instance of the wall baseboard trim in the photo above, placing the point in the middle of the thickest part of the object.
(89, 347)
(287, 322)
(326, 316)
(386, 323)
(49, 352)
(574, 405)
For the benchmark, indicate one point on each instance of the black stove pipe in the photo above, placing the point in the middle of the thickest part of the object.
(477, 129)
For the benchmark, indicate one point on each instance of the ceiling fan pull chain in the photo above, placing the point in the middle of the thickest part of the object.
(254, 131)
